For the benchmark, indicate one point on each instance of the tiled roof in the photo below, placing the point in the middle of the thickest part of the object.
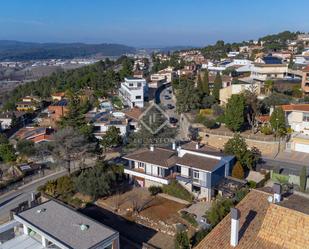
(306, 69)
(134, 113)
(205, 149)
(159, 156)
(199, 162)
(263, 225)
(296, 107)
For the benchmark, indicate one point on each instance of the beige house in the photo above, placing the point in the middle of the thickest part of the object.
(227, 92)
(262, 72)
(297, 117)
(305, 80)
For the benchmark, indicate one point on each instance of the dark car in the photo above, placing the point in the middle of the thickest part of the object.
(170, 106)
(173, 120)
(166, 97)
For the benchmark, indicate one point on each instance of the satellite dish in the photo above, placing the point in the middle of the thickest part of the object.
(270, 199)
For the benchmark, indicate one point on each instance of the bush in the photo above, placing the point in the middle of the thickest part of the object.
(190, 218)
(154, 190)
(210, 123)
(252, 184)
(182, 241)
(198, 237)
(176, 190)
(219, 209)
(266, 130)
(240, 194)
(238, 171)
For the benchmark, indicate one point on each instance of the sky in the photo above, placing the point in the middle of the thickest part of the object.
(149, 23)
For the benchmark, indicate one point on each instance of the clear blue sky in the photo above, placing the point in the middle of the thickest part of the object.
(149, 22)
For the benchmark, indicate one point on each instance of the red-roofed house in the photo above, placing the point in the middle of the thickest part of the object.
(35, 134)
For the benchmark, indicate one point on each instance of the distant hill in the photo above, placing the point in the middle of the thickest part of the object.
(15, 50)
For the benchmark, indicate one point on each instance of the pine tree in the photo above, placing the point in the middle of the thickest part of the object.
(234, 114)
(277, 121)
(217, 86)
(238, 171)
(206, 83)
(200, 84)
(303, 179)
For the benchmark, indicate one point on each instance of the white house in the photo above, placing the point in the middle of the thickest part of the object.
(297, 118)
(53, 225)
(198, 168)
(133, 92)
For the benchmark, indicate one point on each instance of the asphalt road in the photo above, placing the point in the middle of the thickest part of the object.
(11, 199)
(164, 103)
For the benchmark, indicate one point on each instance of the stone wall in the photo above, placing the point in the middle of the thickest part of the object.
(267, 148)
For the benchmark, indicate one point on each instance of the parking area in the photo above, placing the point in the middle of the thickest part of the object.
(198, 210)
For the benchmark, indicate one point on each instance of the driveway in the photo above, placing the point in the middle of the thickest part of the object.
(199, 209)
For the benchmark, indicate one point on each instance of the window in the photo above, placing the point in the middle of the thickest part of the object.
(139, 84)
(306, 117)
(138, 97)
(160, 171)
(141, 165)
(130, 84)
(196, 174)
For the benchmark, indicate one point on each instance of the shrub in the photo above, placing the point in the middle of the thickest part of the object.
(238, 171)
(252, 184)
(240, 194)
(219, 209)
(205, 112)
(210, 123)
(176, 190)
(266, 130)
(190, 218)
(154, 190)
(303, 179)
(198, 237)
(182, 241)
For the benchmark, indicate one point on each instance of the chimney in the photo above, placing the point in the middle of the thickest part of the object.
(277, 192)
(174, 146)
(197, 145)
(151, 148)
(235, 215)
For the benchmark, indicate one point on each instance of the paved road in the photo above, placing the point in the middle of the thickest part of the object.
(11, 199)
(164, 102)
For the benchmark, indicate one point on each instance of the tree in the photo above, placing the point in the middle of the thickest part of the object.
(234, 112)
(206, 83)
(252, 107)
(97, 181)
(217, 86)
(70, 146)
(26, 148)
(269, 86)
(7, 151)
(65, 185)
(112, 138)
(303, 179)
(219, 209)
(182, 240)
(238, 147)
(238, 171)
(277, 121)
(188, 97)
(200, 84)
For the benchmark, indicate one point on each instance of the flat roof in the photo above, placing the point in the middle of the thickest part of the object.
(63, 224)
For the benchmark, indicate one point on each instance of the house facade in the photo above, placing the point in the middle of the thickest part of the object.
(297, 118)
(305, 80)
(133, 92)
(197, 167)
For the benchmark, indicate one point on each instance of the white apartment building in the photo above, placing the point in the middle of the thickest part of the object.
(133, 92)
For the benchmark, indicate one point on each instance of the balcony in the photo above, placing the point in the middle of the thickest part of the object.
(138, 172)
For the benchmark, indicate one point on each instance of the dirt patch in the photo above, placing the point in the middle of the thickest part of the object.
(155, 208)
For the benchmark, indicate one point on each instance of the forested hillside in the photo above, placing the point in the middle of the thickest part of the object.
(14, 50)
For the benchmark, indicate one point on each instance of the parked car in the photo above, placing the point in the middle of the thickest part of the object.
(170, 106)
(173, 120)
(166, 97)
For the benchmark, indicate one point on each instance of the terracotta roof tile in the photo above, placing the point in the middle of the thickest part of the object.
(296, 107)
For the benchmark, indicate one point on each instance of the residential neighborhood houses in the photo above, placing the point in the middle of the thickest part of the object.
(193, 148)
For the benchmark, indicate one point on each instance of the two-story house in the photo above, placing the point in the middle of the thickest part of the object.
(197, 167)
(133, 91)
(297, 118)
